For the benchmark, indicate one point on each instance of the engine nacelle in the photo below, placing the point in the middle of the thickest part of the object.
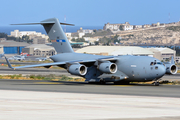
(108, 67)
(171, 69)
(77, 69)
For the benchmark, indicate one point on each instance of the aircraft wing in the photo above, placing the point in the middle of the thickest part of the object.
(60, 63)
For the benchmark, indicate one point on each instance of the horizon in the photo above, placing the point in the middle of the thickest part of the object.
(39, 28)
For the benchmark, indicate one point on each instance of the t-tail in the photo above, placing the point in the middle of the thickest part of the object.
(56, 34)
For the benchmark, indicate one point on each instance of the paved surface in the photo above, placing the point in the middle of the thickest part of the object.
(81, 87)
(28, 105)
(28, 99)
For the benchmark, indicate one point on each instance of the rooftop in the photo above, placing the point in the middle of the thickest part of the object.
(11, 43)
(40, 46)
(115, 50)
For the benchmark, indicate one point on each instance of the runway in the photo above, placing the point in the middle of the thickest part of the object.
(27, 99)
(40, 99)
(82, 87)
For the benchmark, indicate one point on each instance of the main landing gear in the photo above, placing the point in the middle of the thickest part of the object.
(156, 83)
(102, 81)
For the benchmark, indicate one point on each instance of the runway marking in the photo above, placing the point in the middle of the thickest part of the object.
(47, 83)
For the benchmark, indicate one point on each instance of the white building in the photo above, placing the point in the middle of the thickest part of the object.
(39, 50)
(115, 27)
(81, 30)
(81, 34)
(162, 53)
(128, 27)
(137, 26)
(116, 50)
(17, 33)
(111, 26)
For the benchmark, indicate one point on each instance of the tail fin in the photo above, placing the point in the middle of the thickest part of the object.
(56, 34)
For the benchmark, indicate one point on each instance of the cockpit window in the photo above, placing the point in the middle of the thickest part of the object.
(154, 63)
(160, 63)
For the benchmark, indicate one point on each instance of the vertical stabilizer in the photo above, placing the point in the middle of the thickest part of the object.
(57, 35)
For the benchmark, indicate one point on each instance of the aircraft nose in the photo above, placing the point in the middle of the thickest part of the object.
(162, 70)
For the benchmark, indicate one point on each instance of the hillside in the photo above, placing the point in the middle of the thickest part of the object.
(168, 35)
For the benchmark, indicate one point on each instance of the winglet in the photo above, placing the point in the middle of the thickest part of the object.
(9, 65)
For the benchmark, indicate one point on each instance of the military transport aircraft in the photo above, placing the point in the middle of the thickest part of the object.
(97, 68)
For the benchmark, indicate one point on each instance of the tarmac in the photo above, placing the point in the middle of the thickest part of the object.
(38, 99)
(28, 99)
(28, 105)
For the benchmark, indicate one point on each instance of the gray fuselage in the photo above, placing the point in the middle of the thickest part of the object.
(137, 68)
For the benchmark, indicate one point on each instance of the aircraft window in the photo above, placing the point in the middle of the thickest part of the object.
(151, 63)
(154, 62)
(160, 63)
(156, 67)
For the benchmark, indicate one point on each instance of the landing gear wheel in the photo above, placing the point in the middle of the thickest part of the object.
(102, 82)
(156, 83)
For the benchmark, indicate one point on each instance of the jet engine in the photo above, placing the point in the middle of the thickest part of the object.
(171, 69)
(108, 67)
(77, 69)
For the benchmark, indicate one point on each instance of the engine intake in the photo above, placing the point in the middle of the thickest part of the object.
(171, 69)
(77, 69)
(108, 67)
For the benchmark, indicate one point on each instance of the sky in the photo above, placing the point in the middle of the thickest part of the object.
(90, 12)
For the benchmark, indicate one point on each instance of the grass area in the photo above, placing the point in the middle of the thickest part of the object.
(50, 77)
(53, 77)
(161, 82)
